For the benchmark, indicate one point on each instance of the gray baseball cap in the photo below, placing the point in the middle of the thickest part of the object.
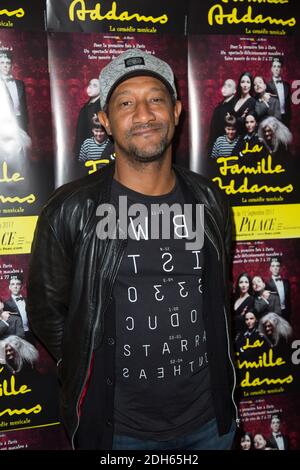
(132, 63)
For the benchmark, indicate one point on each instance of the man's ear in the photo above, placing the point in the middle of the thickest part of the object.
(104, 121)
(177, 111)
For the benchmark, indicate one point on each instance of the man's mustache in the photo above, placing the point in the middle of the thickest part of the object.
(144, 127)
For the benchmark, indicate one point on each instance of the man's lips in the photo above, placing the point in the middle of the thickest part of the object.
(144, 131)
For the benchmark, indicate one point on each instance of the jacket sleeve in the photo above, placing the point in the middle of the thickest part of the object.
(49, 284)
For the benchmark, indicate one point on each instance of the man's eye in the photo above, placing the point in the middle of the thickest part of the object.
(124, 104)
(157, 99)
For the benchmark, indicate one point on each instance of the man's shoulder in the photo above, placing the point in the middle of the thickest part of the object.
(88, 189)
(189, 174)
(201, 184)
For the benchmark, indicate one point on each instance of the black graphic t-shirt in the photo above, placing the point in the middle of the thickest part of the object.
(162, 374)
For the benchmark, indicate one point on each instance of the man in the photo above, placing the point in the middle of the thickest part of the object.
(15, 88)
(281, 89)
(266, 104)
(140, 334)
(280, 286)
(277, 440)
(264, 300)
(16, 304)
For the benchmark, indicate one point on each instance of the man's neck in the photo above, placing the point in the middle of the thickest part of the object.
(153, 179)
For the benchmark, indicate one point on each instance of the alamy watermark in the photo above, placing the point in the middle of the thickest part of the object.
(153, 221)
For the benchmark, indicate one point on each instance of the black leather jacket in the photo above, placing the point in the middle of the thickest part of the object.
(71, 278)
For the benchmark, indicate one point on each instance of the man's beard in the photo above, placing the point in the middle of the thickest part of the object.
(147, 153)
(147, 156)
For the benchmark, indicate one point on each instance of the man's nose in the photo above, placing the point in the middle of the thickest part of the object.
(143, 112)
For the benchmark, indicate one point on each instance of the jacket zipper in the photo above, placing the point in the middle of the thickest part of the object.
(237, 419)
(117, 265)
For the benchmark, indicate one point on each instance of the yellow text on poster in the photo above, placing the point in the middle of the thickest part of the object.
(267, 222)
(16, 234)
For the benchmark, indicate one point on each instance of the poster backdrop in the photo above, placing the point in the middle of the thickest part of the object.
(22, 15)
(28, 384)
(244, 87)
(77, 59)
(238, 74)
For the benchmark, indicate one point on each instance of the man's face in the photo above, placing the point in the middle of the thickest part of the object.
(15, 286)
(5, 66)
(276, 69)
(275, 424)
(141, 118)
(259, 85)
(258, 284)
(275, 268)
(230, 132)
